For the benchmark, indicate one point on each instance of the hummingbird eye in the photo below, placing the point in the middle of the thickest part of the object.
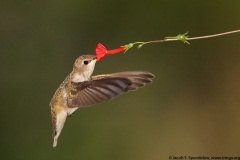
(85, 62)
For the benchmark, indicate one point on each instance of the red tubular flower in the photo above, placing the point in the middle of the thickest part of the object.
(101, 51)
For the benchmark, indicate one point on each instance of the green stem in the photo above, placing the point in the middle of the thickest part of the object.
(181, 37)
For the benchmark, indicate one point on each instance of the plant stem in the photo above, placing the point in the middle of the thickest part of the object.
(193, 38)
(213, 35)
(181, 37)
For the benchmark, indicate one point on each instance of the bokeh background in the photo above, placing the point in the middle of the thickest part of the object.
(191, 109)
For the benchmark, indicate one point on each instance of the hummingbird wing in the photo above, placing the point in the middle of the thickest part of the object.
(105, 87)
(138, 78)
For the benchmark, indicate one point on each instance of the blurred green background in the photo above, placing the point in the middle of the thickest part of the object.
(191, 109)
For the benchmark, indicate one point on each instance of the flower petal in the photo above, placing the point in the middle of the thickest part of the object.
(101, 51)
(114, 51)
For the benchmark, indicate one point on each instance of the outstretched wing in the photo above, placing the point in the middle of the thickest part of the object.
(105, 87)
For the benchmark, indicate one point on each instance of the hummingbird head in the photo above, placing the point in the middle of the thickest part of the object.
(85, 65)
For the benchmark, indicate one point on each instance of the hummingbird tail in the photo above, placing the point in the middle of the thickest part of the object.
(58, 120)
(54, 142)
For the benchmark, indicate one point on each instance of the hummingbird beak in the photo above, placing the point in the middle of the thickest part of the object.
(94, 58)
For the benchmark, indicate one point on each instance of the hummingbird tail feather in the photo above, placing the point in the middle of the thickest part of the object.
(54, 142)
(58, 121)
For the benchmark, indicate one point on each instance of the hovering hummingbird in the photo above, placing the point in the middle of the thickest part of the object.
(80, 89)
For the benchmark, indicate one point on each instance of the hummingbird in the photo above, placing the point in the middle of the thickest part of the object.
(81, 89)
